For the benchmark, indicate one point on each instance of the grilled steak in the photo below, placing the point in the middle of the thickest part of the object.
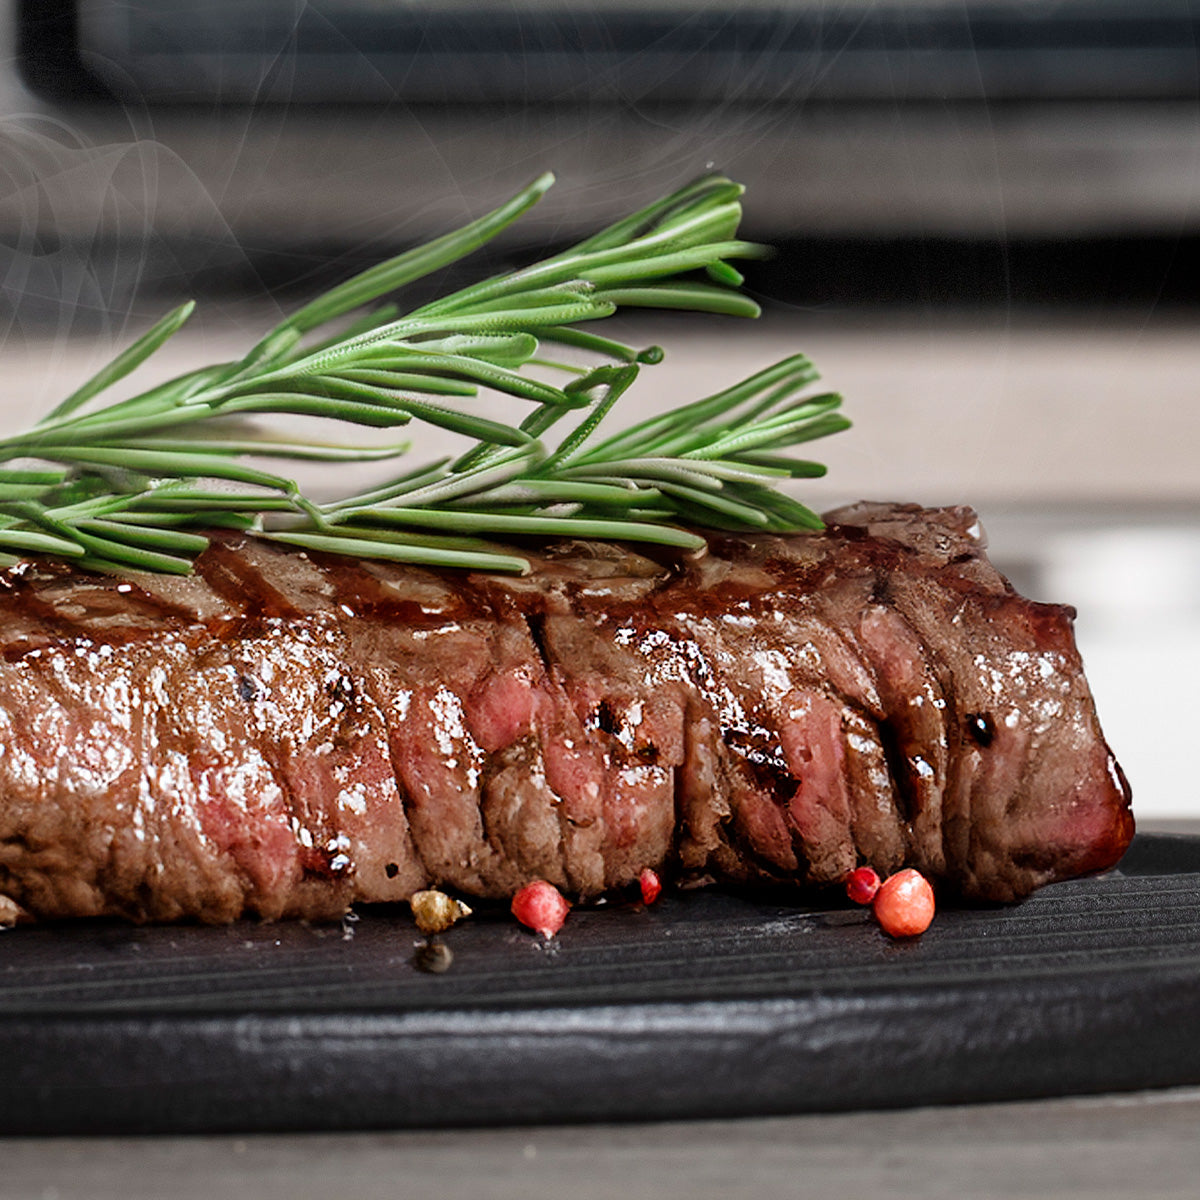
(286, 735)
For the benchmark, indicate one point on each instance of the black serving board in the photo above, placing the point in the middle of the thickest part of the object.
(706, 1004)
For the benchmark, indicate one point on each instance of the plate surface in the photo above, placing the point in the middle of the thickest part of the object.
(708, 1004)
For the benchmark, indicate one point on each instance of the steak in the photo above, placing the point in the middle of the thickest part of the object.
(285, 735)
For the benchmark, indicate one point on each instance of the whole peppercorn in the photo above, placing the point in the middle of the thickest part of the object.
(541, 906)
(904, 904)
(651, 886)
(862, 884)
(435, 912)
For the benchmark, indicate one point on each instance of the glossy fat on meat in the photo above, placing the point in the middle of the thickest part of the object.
(286, 735)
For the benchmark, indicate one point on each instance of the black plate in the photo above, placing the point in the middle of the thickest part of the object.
(707, 1004)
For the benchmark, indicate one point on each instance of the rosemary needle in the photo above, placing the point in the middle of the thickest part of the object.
(135, 482)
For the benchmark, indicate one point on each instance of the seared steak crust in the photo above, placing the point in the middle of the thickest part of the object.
(285, 735)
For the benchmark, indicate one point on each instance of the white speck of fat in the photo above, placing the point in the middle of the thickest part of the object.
(921, 767)
(774, 668)
(354, 798)
(450, 729)
(157, 683)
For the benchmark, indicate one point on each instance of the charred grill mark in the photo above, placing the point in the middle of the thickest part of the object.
(324, 862)
(765, 762)
(360, 592)
(235, 578)
(899, 769)
(21, 592)
(536, 623)
(739, 843)
(606, 719)
(317, 846)
(982, 728)
(881, 592)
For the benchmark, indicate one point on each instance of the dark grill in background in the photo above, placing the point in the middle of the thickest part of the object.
(924, 152)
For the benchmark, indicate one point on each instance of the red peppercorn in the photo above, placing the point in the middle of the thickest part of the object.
(862, 884)
(651, 886)
(541, 906)
(904, 904)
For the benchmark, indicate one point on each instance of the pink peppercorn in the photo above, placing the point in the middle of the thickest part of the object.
(541, 906)
(862, 884)
(651, 886)
(904, 904)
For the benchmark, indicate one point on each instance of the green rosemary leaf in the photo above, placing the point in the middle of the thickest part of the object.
(507, 465)
(127, 360)
(796, 468)
(454, 367)
(18, 477)
(134, 484)
(33, 541)
(707, 192)
(28, 485)
(128, 533)
(786, 512)
(457, 520)
(376, 544)
(666, 469)
(392, 491)
(385, 314)
(428, 381)
(416, 264)
(661, 433)
(539, 492)
(166, 463)
(724, 274)
(716, 502)
(284, 448)
(499, 349)
(567, 336)
(301, 405)
(612, 382)
(147, 519)
(685, 297)
(655, 267)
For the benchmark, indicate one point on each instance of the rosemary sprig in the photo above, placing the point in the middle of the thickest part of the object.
(132, 484)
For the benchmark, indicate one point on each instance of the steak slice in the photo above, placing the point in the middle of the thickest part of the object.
(286, 735)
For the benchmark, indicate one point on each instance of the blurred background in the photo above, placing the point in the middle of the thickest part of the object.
(986, 215)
